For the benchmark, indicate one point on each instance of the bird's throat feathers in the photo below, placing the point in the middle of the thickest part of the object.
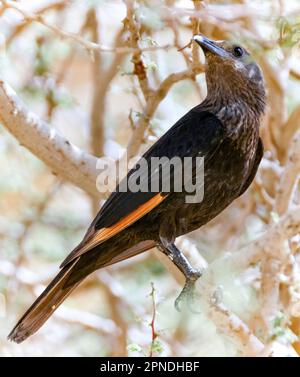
(229, 89)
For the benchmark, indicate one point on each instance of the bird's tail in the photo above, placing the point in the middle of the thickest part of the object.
(69, 277)
(44, 306)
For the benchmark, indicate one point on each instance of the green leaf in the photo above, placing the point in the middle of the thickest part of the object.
(134, 347)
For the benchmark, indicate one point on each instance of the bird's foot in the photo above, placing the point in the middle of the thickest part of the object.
(186, 296)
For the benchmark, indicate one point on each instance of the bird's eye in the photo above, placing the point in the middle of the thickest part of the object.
(238, 51)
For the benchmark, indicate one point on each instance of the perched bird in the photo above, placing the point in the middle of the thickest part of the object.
(224, 129)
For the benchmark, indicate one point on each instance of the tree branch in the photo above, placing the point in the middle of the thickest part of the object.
(59, 5)
(153, 101)
(289, 177)
(266, 246)
(89, 46)
(63, 158)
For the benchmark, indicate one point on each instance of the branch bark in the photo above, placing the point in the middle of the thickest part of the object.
(153, 101)
(266, 246)
(289, 178)
(63, 158)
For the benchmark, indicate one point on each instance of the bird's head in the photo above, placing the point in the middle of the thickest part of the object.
(231, 72)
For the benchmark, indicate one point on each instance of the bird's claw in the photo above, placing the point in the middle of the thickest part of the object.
(187, 293)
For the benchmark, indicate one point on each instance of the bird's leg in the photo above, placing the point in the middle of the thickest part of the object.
(181, 262)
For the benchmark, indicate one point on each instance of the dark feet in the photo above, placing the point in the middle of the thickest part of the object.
(186, 296)
(191, 275)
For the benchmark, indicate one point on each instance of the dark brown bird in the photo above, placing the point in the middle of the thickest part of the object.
(224, 129)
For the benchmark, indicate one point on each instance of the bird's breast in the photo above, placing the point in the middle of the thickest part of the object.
(224, 176)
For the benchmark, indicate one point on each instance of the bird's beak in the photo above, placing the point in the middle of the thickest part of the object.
(209, 45)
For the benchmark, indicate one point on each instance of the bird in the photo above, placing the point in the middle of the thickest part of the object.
(224, 131)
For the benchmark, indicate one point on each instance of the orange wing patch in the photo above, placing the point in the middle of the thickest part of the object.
(104, 234)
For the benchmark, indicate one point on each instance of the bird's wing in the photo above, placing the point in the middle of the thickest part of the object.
(258, 157)
(198, 133)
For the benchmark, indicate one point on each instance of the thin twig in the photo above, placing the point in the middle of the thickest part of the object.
(154, 333)
(88, 45)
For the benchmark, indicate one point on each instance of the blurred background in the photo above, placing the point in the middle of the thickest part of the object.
(96, 100)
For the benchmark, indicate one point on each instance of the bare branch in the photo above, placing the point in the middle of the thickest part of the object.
(266, 246)
(289, 129)
(140, 71)
(46, 143)
(196, 29)
(152, 104)
(87, 320)
(97, 131)
(89, 46)
(289, 178)
(21, 27)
